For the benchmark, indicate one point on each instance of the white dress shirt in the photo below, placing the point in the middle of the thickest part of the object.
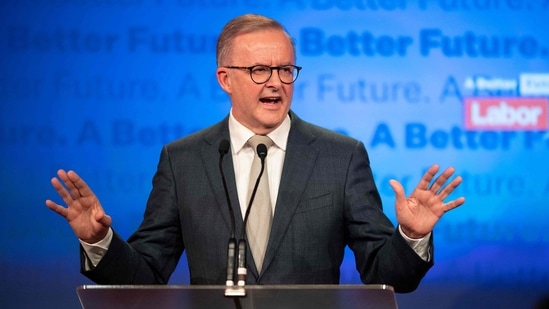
(243, 156)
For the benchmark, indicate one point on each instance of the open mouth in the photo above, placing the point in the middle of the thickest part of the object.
(270, 100)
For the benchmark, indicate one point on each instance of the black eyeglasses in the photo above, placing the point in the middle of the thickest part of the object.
(260, 74)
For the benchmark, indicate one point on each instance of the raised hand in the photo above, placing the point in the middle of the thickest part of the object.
(418, 213)
(83, 212)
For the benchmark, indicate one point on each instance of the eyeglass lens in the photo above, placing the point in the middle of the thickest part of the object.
(261, 74)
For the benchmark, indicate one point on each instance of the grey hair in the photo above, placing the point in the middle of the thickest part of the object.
(243, 24)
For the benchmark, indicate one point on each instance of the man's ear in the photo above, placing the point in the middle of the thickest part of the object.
(223, 79)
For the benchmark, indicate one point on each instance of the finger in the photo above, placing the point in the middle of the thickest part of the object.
(79, 184)
(453, 204)
(448, 189)
(441, 179)
(62, 211)
(62, 191)
(68, 182)
(425, 181)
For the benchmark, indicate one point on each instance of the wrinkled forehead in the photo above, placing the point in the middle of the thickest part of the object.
(269, 43)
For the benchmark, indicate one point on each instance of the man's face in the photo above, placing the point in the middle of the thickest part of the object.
(261, 108)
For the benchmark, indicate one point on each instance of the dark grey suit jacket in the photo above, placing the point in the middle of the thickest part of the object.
(327, 200)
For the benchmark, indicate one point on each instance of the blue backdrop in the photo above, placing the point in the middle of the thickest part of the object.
(99, 87)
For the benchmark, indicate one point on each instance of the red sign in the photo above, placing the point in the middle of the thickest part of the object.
(520, 114)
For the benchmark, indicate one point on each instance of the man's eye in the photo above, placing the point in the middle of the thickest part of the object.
(287, 70)
(260, 70)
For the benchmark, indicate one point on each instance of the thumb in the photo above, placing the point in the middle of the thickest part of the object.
(399, 191)
(104, 219)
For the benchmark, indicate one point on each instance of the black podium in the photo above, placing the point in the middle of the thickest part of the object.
(257, 296)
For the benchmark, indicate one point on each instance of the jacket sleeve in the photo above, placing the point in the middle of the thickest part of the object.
(381, 253)
(151, 254)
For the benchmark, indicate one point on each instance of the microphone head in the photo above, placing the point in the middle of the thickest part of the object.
(262, 151)
(224, 146)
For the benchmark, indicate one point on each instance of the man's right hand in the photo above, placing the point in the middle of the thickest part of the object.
(83, 212)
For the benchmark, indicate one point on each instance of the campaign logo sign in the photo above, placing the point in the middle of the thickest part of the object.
(512, 114)
(534, 84)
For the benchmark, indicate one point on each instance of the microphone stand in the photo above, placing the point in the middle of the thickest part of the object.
(239, 290)
(230, 289)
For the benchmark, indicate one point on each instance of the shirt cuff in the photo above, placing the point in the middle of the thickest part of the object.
(420, 245)
(96, 251)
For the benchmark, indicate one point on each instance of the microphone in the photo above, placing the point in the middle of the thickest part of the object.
(224, 146)
(242, 243)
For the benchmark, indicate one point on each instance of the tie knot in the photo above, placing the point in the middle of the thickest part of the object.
(260, 139)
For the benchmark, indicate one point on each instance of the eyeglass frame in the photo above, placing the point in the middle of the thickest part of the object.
(271, 69)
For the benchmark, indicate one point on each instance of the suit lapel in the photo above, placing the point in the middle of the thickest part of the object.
(298, 164)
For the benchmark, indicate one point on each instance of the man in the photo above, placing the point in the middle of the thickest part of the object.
(321, 188)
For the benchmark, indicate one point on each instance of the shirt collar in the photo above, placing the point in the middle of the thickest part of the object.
(240, 134)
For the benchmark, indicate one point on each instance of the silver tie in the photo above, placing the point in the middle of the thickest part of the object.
(260, 217)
